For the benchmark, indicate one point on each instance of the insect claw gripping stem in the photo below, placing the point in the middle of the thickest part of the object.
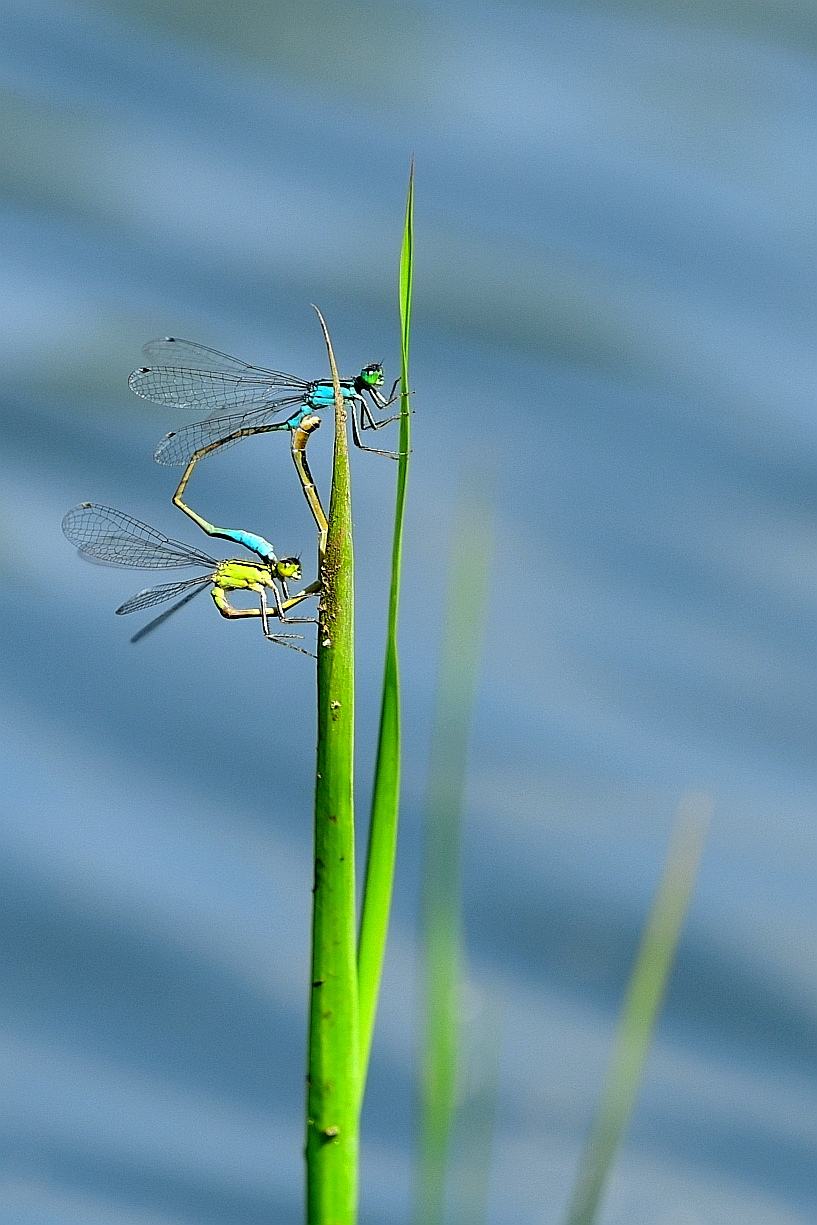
(356, 427)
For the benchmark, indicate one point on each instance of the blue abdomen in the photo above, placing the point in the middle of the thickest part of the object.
(256, 544)
(322, 394)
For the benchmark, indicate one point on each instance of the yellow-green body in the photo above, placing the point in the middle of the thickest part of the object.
(233, 575)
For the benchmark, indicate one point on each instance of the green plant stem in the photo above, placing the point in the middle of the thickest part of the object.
(333, 1057)
(639, 1012)
(382, 844)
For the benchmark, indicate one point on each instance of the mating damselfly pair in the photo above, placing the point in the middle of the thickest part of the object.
(241, 400)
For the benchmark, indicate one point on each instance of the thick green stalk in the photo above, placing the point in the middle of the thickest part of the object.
(333, 1061)
(640, 1011)
(382, 844)
(464, 623)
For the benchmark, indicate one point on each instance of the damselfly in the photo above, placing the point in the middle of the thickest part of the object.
(111, 537)
(242, 399)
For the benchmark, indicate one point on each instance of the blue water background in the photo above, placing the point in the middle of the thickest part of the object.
(615, 338)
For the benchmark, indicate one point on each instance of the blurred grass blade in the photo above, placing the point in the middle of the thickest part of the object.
(382, 845)
(640, 1009)
(441, 920)
(333, 1093)
(476, 1116)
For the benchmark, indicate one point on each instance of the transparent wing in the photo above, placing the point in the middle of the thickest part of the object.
(172, 351)
(168, 612)
(202, 376)
(103, 534)
(212, 390)
(158, 595)
(177, 449)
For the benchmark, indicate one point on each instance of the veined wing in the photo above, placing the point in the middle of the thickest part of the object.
(177, 448)
(158, 595)
(197, 375)
(168, 612)
(189, 354)
(214, 391)
(103, 534)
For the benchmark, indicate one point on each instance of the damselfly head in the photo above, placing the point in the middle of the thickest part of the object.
(372, 375)
(288, 567)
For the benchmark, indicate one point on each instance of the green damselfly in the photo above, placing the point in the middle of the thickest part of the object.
(242, 399)
(111, 537)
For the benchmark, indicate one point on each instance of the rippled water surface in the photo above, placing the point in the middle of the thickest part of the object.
(614, 341)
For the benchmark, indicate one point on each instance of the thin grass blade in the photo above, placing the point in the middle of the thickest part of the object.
(640, 1010)
(441, 919)
(382, 843)
(476, 1116)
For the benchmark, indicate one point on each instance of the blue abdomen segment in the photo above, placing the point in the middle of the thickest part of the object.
(295, 420)
(256, 544)
(322, 395)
